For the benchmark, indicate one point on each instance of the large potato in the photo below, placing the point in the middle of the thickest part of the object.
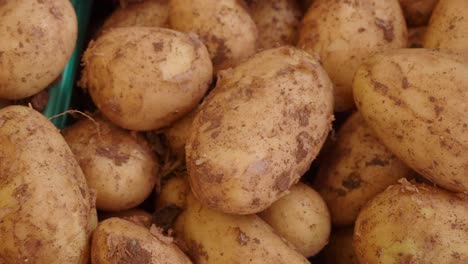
(448, 28)
(302, 218)
(415, 101)
(215, 237)
(413, 224)
(346, 33)
(144, 78)
(47, 213)
(120, 166)
(277, 22)
(340, 248)
(36, 40)
(258, 131)
(418, 12)
(355, 169)
(225, 27)
(120, 241)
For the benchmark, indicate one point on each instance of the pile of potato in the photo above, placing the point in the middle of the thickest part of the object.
(209, 114)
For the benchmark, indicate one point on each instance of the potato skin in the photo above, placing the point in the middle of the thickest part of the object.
(225, 27)
(120, 166)
(345, 33)
(178, 133)
(36, 40)
(134, 215)
(340, 247)
(417, 12)
(302, 218)
(144, 78)
(289, 105)
(48, 213)
(414, 100)
(448, 27)
(117, 240)
(277, 22)
(413, 224)
(174, 192)
(355, 169)
(214, 237)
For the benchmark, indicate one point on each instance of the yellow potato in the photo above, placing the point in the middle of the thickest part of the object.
(135, 215)
(345, 33)
(302, 218)
(413, 224)
(355, 169)
(225, 27)
(178, 133)
(417, 12)
(258, 131)
(144, 78)
(415, 101)
(174, 192)
(416, 37)
(36, 40)
(340, 248)
(47, 213)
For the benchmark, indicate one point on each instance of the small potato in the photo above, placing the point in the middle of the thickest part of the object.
(448, 28)
(356, 168)
(259, 130)
(144, 78)
(120, 166)
(345, 33)
(302, 218)
(418, 12)
(117, 240)
(47, 213)
(174, 192)
(416, 37)
(135, 215)
(225, 27)
(36, 40)
(178, 133)
(277, 22)
(212, 237)
(415, 102)
(413, 224)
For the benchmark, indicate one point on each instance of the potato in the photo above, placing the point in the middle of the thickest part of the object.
(117, 240)
(346, 33)
(135, 215)
(174, 192)
(258, 131)
(413, 224)
(148, 13)
(448, 27)
(178, 133)
(277, 22)
(302, 218)
(225, 27)
(417, 12)
(355, 169)
(215, 237)
(119, 165)
(340, 248)
(415, 101)
(416, 37)
(36, 40)
(145, 78)
(47, 213)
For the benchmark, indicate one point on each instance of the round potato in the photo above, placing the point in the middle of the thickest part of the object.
(302, 218)
(225, 27)
(415, 102)
(277, 22)
(416, 37)
(340, 247)
(413, 224)
(356, 168)
(174, 192)
(417, 12)
(120, 166)
(135, 215)
(144, 78)
(259, 130)
(448, 28)
(116, 240)
(36, 40)
(345, 33)
(178, 133)
(47, 212)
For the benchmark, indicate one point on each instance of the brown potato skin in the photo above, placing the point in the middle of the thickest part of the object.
(417, 12)
(36, 40)
(355, 169)
(413, 224)
(339, 249)
(134, 215)
(345, 33)
(144, 78)
(47, 211)
(120, 166)
(277, 22)
(116, 240)
(414, 100)
(289, 105)
(225, 27)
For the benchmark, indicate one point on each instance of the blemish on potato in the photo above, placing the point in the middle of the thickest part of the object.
(387, 28)
(112, 152)
(353, 181)
(242, 238)
(303, 141)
